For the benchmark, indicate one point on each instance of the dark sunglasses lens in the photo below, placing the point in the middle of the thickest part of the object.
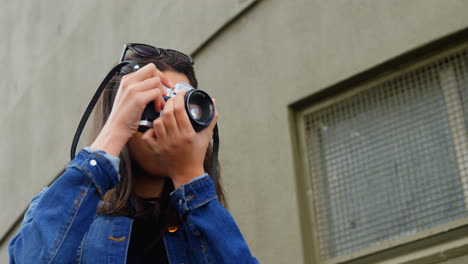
(179, 55)
(147, 50)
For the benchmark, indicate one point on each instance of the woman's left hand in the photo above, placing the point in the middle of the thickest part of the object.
(178, 146)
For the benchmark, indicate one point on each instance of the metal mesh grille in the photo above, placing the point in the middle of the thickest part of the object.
(391, 160)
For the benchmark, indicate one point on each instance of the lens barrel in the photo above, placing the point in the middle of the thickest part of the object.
(200, 108)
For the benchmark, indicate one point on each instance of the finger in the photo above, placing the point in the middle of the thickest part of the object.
(169, 118)
(183, 121)
(209, 129)
(165, 80)
(150, 83)
(215, 118)
(148, 71)
(152, 95)
(126, 76)
(159, 129)
(149, 137)
(125, 81)
(214, 103)
(153, 83)
(214, 121)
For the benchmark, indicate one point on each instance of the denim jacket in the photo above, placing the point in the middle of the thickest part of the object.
(61, 224)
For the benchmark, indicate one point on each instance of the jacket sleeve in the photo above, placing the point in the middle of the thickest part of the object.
(60, 215)
(209, 227)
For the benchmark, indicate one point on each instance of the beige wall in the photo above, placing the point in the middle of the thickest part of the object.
(276, 53)
(55, 54)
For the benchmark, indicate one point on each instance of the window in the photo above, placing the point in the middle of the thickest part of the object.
(388, 162)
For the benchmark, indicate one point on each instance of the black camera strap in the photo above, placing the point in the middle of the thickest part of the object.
(97, 94)
(214, 163)
(93, 102)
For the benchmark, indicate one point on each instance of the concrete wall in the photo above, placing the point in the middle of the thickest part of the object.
(281, 52)
(55, 54)
(274, 54)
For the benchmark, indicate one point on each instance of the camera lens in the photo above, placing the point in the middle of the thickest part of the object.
(200, 108)
(195, 111)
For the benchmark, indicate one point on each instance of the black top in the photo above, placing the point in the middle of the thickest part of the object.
(146, 243)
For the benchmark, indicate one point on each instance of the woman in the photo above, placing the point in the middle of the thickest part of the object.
(133, 197)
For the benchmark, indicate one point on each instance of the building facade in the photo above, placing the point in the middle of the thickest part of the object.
(342, 123)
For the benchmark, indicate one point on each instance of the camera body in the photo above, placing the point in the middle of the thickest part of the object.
(198, 105)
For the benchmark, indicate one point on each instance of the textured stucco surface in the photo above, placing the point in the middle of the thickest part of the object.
(55, 53)
(459, 260)
(283, 51)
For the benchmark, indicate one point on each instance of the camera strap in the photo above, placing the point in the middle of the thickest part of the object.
(214, 163)
(93, 102)
(97, 94)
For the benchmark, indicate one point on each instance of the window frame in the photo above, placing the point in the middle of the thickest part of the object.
(450, 236)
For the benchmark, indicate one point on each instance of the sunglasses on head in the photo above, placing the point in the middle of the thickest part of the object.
(144, 50)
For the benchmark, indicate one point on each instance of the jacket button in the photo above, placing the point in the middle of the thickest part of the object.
(93, 162)
(172, 229)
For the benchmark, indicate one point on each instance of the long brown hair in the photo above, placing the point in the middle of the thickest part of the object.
(122, 200)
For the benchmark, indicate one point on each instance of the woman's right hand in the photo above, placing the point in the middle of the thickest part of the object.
(136, 90)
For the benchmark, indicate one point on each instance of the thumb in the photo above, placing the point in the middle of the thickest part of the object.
(149, 137)
(208, 131)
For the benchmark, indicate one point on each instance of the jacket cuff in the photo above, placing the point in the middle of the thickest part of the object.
(197, 192)
(115, 161)
(98, 168)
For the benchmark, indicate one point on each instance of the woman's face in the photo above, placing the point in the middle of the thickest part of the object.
(139, 151)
